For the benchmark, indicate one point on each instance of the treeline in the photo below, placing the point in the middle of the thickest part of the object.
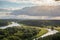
(41, 23)
(52, 37)
(3, 23)
(18, 33)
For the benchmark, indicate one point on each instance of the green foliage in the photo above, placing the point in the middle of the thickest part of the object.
(13, 38)
(41, 23)
(18, 33)
(43, 31)
(28, 33)
(58, 29)
(3, 23)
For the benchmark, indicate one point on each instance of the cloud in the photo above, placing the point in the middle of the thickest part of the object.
(12, 8)
(9, 0)
(9, 16)
(9, 4)
(16, 4)
(56, 18)
(37, 2)
(27, 17)
(5, 16)
(19, 4)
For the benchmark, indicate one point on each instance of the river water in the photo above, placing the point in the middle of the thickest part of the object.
(10, 25)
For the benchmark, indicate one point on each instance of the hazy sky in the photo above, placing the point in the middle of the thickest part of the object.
(6, 6)
(16, 4)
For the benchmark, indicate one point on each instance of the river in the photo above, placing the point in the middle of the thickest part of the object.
(10, 25)
(50, 32)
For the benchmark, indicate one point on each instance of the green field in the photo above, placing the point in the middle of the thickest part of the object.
(43, 31)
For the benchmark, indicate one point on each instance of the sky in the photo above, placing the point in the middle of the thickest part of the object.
(7, 6)
(18, 4)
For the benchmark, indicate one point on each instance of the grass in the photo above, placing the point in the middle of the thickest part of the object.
(58, 29)
(42, 32)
